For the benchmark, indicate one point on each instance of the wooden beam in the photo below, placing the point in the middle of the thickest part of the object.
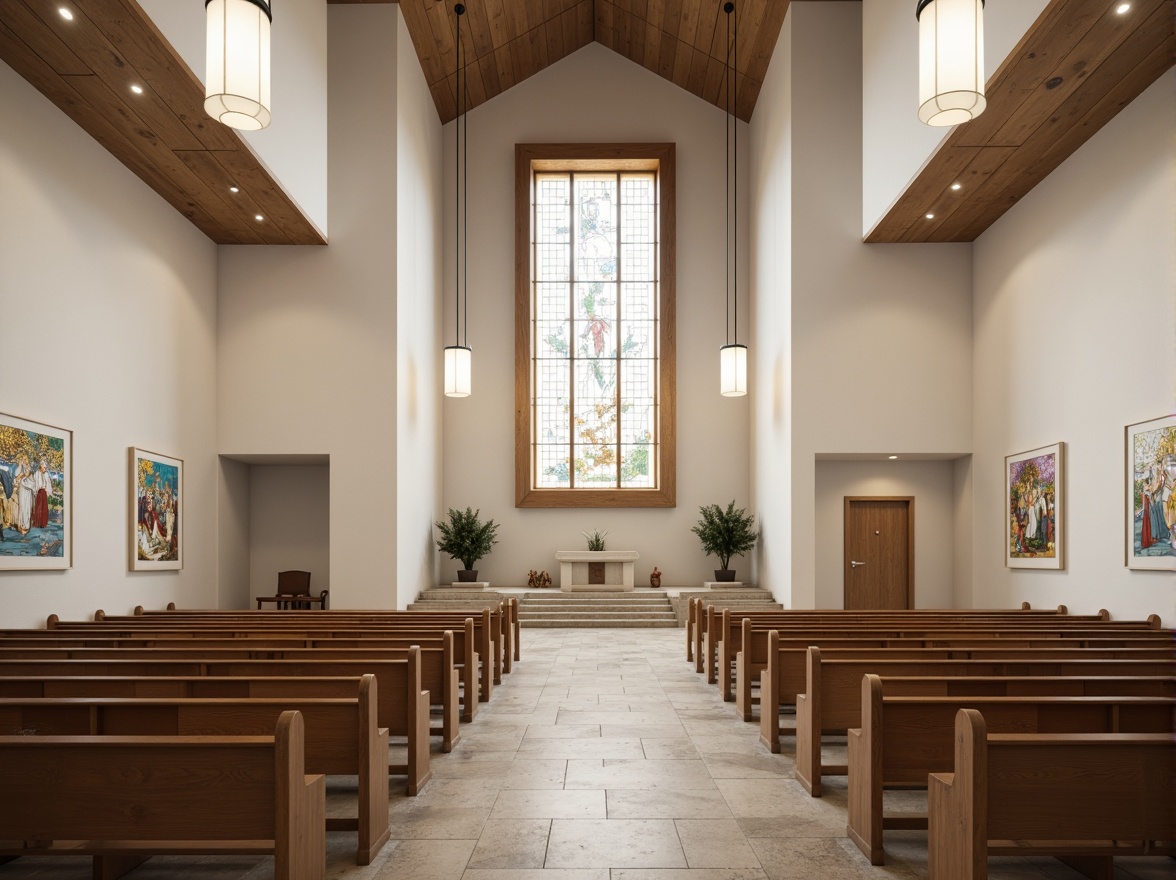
(1078, 65)
(86, 66)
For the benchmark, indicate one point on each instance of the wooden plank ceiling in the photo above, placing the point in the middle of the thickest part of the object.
(87, 66)
(1075, 69)
(1079, 65)
(683, 41)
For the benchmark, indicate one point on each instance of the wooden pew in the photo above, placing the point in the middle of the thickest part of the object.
(275, 645)
(194, 795)
(490, 635)
(402, 705)
(1017, 794)
(904, 738)
(752, 657)
(781, 685)
(341, 736)
(787, 668)
(725, 638)
(501, 623)
(438, 676)
(832, 697)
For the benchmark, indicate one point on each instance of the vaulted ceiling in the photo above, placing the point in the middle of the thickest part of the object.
(1078, 65)
(506, 41)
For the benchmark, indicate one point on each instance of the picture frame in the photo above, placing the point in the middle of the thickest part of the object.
(1150, 509)
(156, 511)
(1035, 519)
(36, 495)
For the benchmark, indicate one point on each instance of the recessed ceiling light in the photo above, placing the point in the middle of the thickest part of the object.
(1122, 7)
(234, 189)
(138, 90)
(930, 216)
(892, 457)
(956, 186)
(258, 217)
(65, 13)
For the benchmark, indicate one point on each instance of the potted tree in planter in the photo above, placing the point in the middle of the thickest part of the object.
(465, 537)
(725, 533)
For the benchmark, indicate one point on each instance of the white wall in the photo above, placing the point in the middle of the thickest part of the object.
(289, 525)
(294, 145)
(897, 144)
(233, 535)
(418, 322)
(306, 355)
(594, 95)
(770, 187)
(1074, 318)
(109, 305)
(928, 482)
(881, 334)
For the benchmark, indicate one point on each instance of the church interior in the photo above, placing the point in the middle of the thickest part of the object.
(270, 313)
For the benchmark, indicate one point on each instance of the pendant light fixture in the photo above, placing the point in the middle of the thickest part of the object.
(459, 356)
(237, 87)
(732, 356)
(951, 60)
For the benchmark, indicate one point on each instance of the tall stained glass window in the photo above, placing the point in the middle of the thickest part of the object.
(599, 388)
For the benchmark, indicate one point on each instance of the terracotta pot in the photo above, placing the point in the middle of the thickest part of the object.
(726, 575)
(467, 575)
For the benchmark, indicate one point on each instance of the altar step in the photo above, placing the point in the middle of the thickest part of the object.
(552, 608)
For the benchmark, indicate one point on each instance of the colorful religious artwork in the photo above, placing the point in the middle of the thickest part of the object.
(1034, 511)
(36, 507)
(1151, 494)
(157, 503)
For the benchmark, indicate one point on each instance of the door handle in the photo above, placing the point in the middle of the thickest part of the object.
(854, 563)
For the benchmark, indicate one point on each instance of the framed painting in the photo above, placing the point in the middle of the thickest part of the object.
(157, 507)
(1151, 495)
(1034, 509)
(36, 504)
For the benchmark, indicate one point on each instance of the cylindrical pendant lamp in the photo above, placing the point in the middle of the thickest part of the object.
(733, 370)
(459, 369)
(237, 76)
(951, 60)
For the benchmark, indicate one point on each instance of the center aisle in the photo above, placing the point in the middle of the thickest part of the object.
(603, 756)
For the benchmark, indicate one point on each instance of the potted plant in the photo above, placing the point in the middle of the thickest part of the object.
(466, 538)
(725, 533)
(595, 538)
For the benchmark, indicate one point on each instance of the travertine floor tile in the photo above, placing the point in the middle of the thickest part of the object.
(614, 843)
(803, 858)
(647, 775)
(715, 843)
(536, 874)
(541, 804)
(583, 748)
(688, 874)
(661, 804)
(427, 860)
(511, 843)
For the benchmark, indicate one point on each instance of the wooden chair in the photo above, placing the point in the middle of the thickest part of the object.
(294, 592)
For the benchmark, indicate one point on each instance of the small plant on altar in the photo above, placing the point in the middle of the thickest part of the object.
(595, 538)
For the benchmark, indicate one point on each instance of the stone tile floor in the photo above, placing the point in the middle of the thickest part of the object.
(605, 757)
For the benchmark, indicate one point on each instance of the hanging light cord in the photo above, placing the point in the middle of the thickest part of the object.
(465, 202)
(728, 8)
(735, 174)
(457, 237)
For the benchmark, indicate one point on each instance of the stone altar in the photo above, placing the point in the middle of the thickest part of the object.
(618, 570)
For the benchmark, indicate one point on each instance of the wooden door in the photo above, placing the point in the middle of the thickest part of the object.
(879, 552)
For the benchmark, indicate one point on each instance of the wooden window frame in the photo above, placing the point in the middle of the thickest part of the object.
(530, 158)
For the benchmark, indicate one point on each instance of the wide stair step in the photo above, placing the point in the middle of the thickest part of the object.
(596, 610)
